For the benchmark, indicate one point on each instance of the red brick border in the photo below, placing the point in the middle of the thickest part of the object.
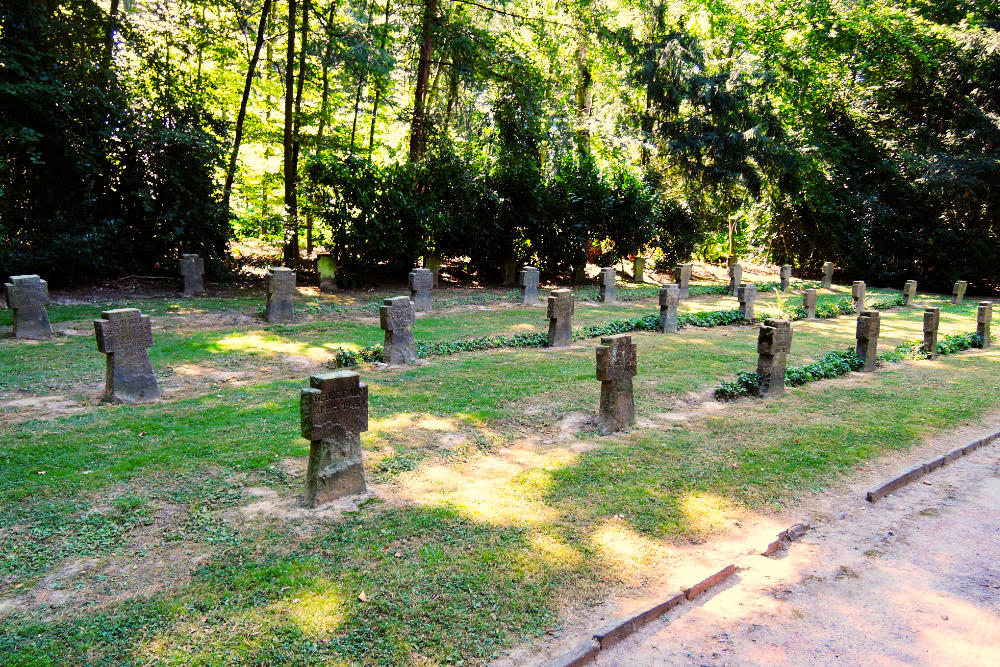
(919, 471)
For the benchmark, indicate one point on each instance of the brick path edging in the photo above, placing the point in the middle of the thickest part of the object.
(922, 469)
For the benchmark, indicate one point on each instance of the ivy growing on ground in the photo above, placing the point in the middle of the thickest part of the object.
(836, 363)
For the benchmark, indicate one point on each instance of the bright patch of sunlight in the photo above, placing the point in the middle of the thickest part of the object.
(318, 614)
(406, 420)
(626, 550)
(269, 344)
(555, 552)
(706, 511)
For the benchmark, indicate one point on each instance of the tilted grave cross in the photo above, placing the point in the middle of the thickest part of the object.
(984, 316)
(421, 282)
(125, 335)
(735, 278)
(606, 281)
(858, 295)
(958, 292)
(827, 275)
(527, 279)
(326, 267)
(682, 274)
(809, 298)
(670, 296)
(774, 342)
(909, 292)
(639, 269)
(560, 314)
(397, 318)
(785, 276)
(932, 321)
(869, 326)
(280, 288)
(334, 412)
(616, 366)
(193, 272)
(27, 296)
(747, 295)
(509, 272)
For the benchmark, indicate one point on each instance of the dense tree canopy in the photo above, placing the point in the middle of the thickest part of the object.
(865, 133)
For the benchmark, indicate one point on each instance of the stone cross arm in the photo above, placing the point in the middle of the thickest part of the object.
(123, 329)
(616, 358)
(334, 400)
(25, 291)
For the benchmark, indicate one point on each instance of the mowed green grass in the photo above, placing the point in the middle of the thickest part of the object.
(479, 556)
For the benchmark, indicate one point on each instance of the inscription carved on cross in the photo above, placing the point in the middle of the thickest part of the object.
(334, 413)
(616, 366)
(192, 269)
(334, 401)
(124, 335)
(281, 281)
(560, 313)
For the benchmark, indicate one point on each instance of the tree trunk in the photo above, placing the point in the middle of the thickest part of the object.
(298, 117)
(378, 91)
(418, 129)
(290, 250)
(109, 38)
(584, 94)
(362, 77)
(248, 84)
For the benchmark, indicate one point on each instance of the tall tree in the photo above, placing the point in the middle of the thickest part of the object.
(291, 237)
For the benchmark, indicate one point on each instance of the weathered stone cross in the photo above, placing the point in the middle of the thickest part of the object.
(397, 318)
(124, 335)
(809, 298)
(959, 291)
(334, 411)
(682, 274)
(421, 283)
(735, 278)
(27, 296)
(827, 275)
(932, 320)
(747, 295)
(774, 342)
(560, 314)
(193, 271)
(909, 292)
(785, 276)
(616, 366)
(528, 280)
(670, 296)
(869, 326)
(858, 294)
(280, 288)
(984, 316)
(606, 281)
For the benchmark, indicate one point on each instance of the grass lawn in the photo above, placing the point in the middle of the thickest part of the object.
(130, 534)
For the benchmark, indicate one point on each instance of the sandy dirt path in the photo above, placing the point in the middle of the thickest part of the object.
(911, 580)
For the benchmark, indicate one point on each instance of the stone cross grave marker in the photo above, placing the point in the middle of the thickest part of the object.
(560, 313)
(397, 318)
(27, 296)
(747, 295)
(858, 294)
(869, 326)
(421, 282)
(124, 335)
(958, 292)
(809, 299)
(616, 366)
(606, 281)
(827, 275)
(670, 296)
(909, 292)
(774, 342)
(433, 264)
(326, 267)
(334, 411)
(193, 272)
(984, 316)
(280, 288)
(785, 276)
(682, 273)
(735, 278)
(527, 279)
(639, 269)
(932, 321)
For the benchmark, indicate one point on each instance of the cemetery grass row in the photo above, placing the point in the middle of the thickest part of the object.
(64, 362)
(467, 584)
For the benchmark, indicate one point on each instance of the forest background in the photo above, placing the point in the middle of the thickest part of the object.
(865, 133)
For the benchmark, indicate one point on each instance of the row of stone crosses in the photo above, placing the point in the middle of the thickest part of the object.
(334, 409)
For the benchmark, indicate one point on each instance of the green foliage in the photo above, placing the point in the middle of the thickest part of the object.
(105, 171)
(946, 345)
